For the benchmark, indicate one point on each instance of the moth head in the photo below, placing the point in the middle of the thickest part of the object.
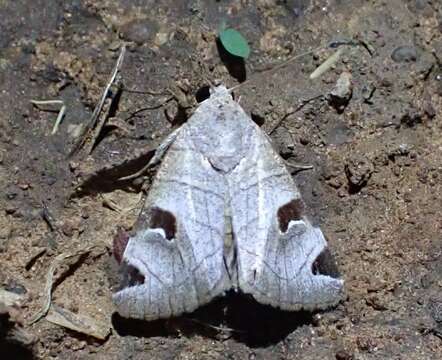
(219, 91)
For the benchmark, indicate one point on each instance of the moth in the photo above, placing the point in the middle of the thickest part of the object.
(223, 212)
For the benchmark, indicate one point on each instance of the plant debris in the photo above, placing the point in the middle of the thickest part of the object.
(50, 280)
(80, 323)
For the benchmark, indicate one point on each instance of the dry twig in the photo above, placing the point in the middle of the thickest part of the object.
(92, 123)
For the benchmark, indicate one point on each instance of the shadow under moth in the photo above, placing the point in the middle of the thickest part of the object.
(223, 212)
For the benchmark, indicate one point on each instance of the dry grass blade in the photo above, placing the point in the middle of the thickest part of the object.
(50, 280)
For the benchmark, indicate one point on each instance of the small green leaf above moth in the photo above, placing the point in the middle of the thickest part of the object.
(234, 43)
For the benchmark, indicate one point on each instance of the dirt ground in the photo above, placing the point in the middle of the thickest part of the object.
(375, 187)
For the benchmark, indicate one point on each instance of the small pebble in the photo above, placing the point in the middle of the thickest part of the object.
(304, 140)
(429, 110)
(10, 209)
(114, 46)
(366, 343)
(15, 287)
(343, 355)
(367, 92)
(343, 86)
(404, 54)
(23, 186)
(342, 92)
(70, 226)
(140, 31)
(411, 117)
(73, 165)
(435, 306)
(51, 180)
(11, 193)
(358, 170)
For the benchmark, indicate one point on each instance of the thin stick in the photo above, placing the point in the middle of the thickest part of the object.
(93, 120)
(323, 67)
(61, 112)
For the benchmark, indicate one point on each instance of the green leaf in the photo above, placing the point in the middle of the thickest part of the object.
(234, 43)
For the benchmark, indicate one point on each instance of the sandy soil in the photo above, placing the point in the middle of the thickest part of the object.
(375, 187)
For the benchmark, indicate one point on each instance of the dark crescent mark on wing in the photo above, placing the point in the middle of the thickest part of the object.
(291, 211)
(163, 219)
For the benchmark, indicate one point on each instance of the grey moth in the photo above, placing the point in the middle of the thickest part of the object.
(223, 213)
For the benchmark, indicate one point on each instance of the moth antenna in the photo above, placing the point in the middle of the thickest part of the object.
(331, 45)
(280, 66)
